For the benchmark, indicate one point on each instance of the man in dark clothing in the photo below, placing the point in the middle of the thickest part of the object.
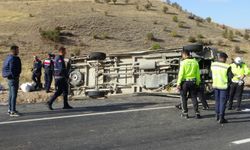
(12, 69)
(61, 74)
(188, 80)
(48, 66)
(37, 72)
(239, 72)
(201, 97)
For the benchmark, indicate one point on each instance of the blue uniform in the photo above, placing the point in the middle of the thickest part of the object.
(37, 73)
(61, 78)
(221, 79)
(12, 68)
(60, 69)
(48, 65)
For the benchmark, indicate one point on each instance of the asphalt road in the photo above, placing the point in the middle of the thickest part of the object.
(121, 123)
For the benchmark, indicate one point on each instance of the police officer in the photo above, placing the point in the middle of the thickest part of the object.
(220, 75)
(12, 68)
(201, 97)
(61, 80)
(37, 72)
(239, 71)
(188, 80)
(48, 66)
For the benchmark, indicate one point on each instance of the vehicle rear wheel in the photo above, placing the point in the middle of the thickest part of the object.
(96, 94)
(97, 56)
(193, 48)
(76, 78)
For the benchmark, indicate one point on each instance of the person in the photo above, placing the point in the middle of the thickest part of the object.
(61, 80)
(12, 68)
(188, 80)
(48, 66)
(201, 97)
(37, 72)
(221, 79)
(240, 71)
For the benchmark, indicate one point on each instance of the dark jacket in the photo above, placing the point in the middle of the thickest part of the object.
(37, 67)
(12, 67)
(230, 75)
(60, 70)
(48, 65)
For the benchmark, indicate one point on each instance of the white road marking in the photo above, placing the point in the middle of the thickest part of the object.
(90, 114)
(85, 115)
(241, 141)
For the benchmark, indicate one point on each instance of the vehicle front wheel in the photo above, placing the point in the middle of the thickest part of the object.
(97, 56)
(96, 94)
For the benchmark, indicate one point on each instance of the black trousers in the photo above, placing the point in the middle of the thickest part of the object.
(48, 77)
(189, 88)
(61, 88)
(36, 77)
(201, 96)
(236, 91)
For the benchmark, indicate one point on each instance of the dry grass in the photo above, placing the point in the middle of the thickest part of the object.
(124, 23)
(127, 27)
(7, 15)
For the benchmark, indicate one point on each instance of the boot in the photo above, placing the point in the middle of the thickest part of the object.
(178, 107)
(49, 105)
(222, 120)
(217, 117)
(185, 115)
(230, 108)
(67, 106)
(198, 116)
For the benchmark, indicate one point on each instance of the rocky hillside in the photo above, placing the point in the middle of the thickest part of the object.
(82, 26)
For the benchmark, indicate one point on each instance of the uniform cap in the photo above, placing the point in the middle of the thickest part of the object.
(222, 55)
(238, 60)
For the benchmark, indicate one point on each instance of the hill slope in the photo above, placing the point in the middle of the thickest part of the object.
(86, 25)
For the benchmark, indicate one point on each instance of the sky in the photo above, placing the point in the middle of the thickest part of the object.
(235, 13)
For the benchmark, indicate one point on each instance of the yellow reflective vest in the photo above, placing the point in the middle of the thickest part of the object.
(220, 75)
(189, 70)
(239, 71)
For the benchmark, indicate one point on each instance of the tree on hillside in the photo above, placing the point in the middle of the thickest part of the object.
(246, 36)
(231, 35)
(114, 1)
(175, 18)
(177, 6)
(225, 33)
(165, 9)
(168, 1)
(126, 1)
(209, 19)
(107, 1)
(228, 34)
